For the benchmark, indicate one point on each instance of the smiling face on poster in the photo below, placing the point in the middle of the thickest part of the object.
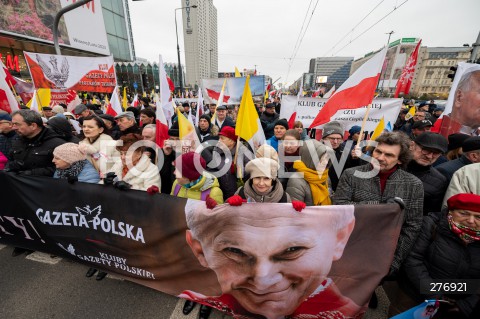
(462, 112)
(270, 264)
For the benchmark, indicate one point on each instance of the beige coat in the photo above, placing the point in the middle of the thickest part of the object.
(465, 180)
(102, 153)
(141, 176)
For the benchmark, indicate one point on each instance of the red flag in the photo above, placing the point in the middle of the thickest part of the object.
(357, 91)
(171, 85)
(8, 101)
(114, 108)
(291, 121)
(216, 95)
(405, 80)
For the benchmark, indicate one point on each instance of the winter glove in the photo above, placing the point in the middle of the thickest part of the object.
(298, 205)
(152, 190)
(235, 200)
(72, 179)
(14, 166)
(121, 185)
(109, 178)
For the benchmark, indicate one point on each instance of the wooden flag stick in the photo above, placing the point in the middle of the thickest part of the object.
(363, 123)
(13, 88)
(239, 170)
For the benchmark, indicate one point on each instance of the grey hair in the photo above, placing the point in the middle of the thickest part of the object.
(465, 83)
(30, 117)
(151, 126)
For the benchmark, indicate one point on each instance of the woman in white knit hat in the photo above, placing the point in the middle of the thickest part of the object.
(71, 162)
(263, 185)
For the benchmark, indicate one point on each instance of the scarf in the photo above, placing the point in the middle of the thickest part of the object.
(73, 171)
(467, 234)
(318, 185)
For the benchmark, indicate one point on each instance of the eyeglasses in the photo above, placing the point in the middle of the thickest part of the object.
(426, 151)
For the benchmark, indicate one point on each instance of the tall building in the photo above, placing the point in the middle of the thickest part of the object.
(119, 29)
(335, 69)
(200, 41)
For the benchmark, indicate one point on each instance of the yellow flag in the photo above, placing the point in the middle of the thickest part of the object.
(378, 130)
(248, 124)
(237, 73)
(124, 100)
(43, 96)
(94, 101)
(410, 113)
(144, 94)
(265, 97)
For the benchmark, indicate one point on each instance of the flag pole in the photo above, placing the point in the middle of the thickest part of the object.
(239, 171)
(363, 123)
(13, 88)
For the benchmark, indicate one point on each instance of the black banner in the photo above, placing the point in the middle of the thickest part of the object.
(144, 238)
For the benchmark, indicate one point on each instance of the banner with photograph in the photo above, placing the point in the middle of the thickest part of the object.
(34, 19)
(233, 90)
(60, 72)
(462, 111)
(307, 109)
(324, 261)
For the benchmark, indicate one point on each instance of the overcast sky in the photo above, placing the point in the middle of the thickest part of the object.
(264, 32)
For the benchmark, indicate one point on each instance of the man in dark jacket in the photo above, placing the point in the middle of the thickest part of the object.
(62, 127)
(268, 120)
(471, 154)
(127, 123)
(221, 118)
(364, 185)
(426, 149)
(7, 135)
(33, 148)
(204, 130)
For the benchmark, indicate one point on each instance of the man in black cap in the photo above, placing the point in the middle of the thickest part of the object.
(221, 118)
(268, 119)
(332, 136)
(279, 129)
(420, 127)
(426, 149)
(81, 111)
(204, 129)
(112, 128)
(47, 112)
(471, 154)
(127, 123)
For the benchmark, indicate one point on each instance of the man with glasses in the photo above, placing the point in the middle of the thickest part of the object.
(332, 137)
(7, 134)
(420, 127)
(426, 149)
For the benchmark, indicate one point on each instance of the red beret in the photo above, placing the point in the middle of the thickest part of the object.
(464, 201)
(186, 165)
(229, 132)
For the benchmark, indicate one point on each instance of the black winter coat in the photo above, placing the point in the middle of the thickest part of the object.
(449, 168)
(434, 186)
(34, 156)
(440, 254)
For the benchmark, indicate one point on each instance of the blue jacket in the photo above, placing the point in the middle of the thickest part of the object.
(88, 174)
(273, 142)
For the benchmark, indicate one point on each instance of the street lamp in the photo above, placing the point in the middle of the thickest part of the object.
(178, 47)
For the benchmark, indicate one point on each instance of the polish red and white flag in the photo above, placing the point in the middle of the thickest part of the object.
(329, 93)
(8, 102)
(164, 102)
(357, 91)
(115, 106)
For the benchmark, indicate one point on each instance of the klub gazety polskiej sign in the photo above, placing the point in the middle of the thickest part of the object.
(60, 72)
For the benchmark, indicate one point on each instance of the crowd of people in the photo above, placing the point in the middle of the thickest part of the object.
(436, 180)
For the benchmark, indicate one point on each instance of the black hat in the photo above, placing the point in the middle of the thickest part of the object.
(471, 144)
(404, 111)
(174, 130)
(46, 108)
(282, 122)
(422, 124)
(205, 117)
(456, 140)
(185, 104)
(221, 107)
(270, 105)
(107, 117)
(433, 141)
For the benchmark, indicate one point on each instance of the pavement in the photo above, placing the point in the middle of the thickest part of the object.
(39, 286)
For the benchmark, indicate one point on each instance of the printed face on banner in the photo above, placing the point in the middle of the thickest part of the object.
(270, 263)
(462, 112)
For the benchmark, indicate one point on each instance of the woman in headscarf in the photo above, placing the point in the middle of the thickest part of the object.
(312, 189)
(263, 185)
(70, 159)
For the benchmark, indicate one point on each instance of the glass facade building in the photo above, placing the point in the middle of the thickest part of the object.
(119, 29)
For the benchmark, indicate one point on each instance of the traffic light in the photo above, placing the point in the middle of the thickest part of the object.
(452, 75)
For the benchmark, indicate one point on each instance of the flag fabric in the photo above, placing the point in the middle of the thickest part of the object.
(318, 91)
(300, 89)
(124, 100)
(34, 104)
(187, 133)
(410, 113)
(357, 91)
(144, 94)
(199, 107)
(135, 100)
(214, 95)
(405, 80)
(248, 123)
(164, 107)
(378, 130)
(329, 93)
(8, 102)
(94, 101)
(237, 73)
(114, 108)
(220, 99)
(41, 98)
(291, 121)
